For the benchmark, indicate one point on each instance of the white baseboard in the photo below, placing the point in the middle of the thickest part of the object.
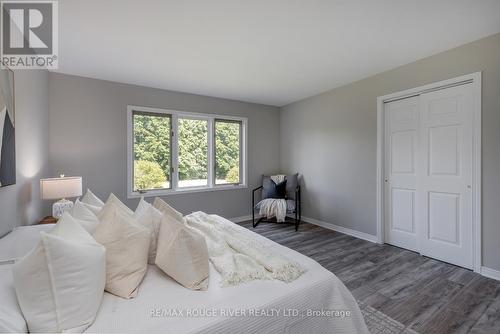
(485, 271)
(341, 229)
(490, 273)
(241, 219)
(244, 218)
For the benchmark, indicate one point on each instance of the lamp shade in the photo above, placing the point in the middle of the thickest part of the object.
(61, 187)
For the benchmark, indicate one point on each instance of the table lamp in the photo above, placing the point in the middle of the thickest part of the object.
(61, 188)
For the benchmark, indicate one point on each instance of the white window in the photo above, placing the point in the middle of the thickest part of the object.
(173, 152)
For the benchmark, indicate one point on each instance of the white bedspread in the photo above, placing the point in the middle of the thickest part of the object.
(267, 306)
(262, 306)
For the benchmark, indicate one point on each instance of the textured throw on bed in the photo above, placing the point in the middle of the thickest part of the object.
(237, 256)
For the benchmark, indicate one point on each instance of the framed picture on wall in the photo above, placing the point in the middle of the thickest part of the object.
(7, 128)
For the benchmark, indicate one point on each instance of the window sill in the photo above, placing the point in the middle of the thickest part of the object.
(169, 192)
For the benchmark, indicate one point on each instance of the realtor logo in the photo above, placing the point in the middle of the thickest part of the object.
(29, 34)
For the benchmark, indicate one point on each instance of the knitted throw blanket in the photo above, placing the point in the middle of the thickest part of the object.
(237, 255)
(273, 207)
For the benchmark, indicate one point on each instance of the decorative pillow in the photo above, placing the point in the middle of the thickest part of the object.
(272, 190)
(166, 209)
(84, 216)
(94, 209)
(149, 217)
(20, 241)
(127, 246)
(60, 283)
(113, 200)
(182, 254)
(92, 199)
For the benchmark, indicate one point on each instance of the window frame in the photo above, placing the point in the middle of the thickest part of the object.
(222, 120)
(148, 113)
(197, 118)
(174, 173)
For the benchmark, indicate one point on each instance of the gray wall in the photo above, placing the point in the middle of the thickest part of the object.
(331, 139)
(88, 138)
(20, 204)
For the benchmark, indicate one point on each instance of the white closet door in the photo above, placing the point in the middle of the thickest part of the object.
(401, 140)
(445, 175)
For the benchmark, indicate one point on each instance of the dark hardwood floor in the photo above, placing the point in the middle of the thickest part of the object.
(429, 295)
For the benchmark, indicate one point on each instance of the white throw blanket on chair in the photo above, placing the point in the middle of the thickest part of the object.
(273, 207)
(237, 256)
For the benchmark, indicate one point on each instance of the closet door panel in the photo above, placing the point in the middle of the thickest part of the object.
(445, 175)
(401, 138)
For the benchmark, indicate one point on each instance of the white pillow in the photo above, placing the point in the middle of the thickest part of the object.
(166, 209)
(115, 201)
(94, 209)
(20, 241)
(60, 283)
(142, 207)
(149, 217)
(92, 199)
(182, 254)
(127, 246)
(84, 216)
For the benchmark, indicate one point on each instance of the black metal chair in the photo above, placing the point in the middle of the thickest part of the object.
(293, 207)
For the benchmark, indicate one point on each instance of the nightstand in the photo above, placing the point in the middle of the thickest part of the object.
(48, 220)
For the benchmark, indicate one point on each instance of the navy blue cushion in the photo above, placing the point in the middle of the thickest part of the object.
(272, 190)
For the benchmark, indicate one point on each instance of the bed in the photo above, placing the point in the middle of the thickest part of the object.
(316, 302)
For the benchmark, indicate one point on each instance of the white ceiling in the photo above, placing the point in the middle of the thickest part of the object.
(266, 51)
